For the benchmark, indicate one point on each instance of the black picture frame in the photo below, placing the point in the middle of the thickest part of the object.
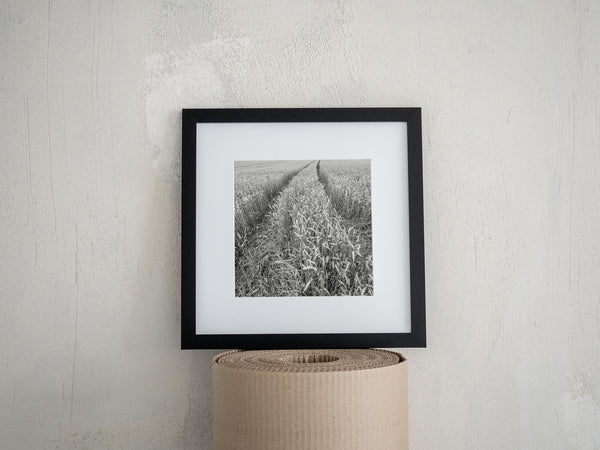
(191, 339)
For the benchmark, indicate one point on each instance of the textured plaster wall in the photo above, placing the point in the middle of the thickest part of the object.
(90, 169)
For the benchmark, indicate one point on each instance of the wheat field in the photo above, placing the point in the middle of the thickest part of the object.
(303, 228)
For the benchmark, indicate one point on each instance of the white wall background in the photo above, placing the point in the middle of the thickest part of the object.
(90, 188)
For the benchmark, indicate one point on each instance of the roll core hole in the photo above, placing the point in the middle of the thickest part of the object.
(310, 358)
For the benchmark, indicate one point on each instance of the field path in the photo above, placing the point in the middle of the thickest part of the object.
(251, 224)
(256, 263)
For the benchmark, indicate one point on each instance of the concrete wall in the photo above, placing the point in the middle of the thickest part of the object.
(90, 189)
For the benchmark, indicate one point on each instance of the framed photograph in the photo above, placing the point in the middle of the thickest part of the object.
(302, 228)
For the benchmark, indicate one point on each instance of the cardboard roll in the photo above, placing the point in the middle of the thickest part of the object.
(317, 399)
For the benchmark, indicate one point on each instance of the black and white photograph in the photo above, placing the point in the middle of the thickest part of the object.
(303, 228)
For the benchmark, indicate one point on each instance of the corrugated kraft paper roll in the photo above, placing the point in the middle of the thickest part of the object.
(310, 399)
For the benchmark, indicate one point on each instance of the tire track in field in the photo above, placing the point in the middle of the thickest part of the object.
(261, 218)
(264, 254)
(348, 221)
(324, 183)
(361, 231)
